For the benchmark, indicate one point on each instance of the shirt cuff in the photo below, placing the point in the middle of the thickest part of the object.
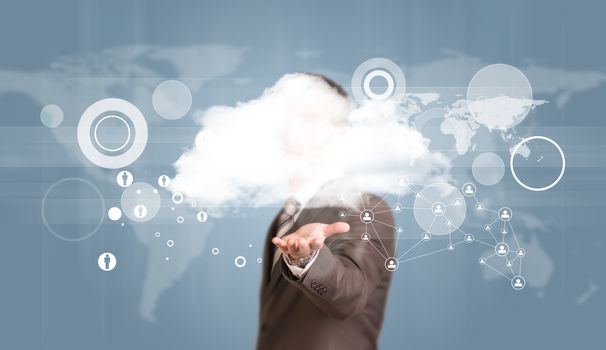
(300, 271)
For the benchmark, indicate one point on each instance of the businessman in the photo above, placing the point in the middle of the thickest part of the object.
(323, 286)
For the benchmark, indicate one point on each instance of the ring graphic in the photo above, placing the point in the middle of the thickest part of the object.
(378, 68)
(513, 170)
(112, 108)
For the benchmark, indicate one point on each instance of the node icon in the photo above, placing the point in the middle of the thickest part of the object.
(140, 211)
(482, 261)
(106, 261)
(202, 216)
(215, 251)
(457, 202)
(468, 238)
(505, 214)
(365, 237)
(518, 282)
(508, 264)
(438, 209)
(448, 222)
(402, 182)
(391, 264)
(342, 214)
(521, 252)
(124, 178)
(240, 261)
(451, 247)
(469, 189)
(480, 206)
(163, 181)
(426, 236)
(504, 231)
(399, 229)
(177, 197)
(487, 227)
(501, 249)
(367, 216)
(397, 208)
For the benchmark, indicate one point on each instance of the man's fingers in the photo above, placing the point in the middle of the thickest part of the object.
(316, 243)
(303, 246)
(337, 227)
(280, 243)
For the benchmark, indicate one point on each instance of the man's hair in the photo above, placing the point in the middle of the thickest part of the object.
(338, 88)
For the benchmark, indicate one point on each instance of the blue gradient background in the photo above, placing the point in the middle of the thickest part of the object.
(52, 295)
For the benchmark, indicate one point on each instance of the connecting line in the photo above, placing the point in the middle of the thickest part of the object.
(431, 225)
(384, 223)
(395, 249)
(494, 211)
(479, 241)
(511, 269)
(409, 250)
(362, 202)
(381, 201)
(493, 237)
(385, 211)
(497, 219)
(514, 234)
(377, 249)
(379, 238)
(520, 267)
(423, 255)
(425, 199)
(497, 271)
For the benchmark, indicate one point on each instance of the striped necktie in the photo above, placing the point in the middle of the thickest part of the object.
(286, 220)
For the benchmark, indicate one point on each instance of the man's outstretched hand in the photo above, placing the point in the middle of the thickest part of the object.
(308, 238)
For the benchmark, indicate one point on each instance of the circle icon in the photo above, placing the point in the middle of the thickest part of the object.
(488, 168)
(450, 247)
(515, 175)
(172, 99)
(367, 216)
(469, 189)
(480, 206)
(215, 251)
(521, 252)
(112, 120)
(240, 261)
(163, 181)
(106, 261)
(501, 249)
(202, 216)
(438, 209)
(170, 243)
(430, 204)
(51, 116)
(124, 178)
(180, 219)
(397, 208)
(140, 202)
(114, 213)
(378, 69)
(342, 214)
(426, 236)
(259, 260)
(177, 197)
(402, 182)
(468, 238)
(365, 237)
(499, 96)
(457, 202)
(391, 264)
(157, 234)
(505, 214)
(518, 282)
(55, 209)
(487, 227)
(102, 111)
(482, 261)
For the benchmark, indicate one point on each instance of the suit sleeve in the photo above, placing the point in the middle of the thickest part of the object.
(347, 269)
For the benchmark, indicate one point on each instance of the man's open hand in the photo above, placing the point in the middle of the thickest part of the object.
(308, 238)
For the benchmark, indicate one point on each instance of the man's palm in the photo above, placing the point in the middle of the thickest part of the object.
(308, 238)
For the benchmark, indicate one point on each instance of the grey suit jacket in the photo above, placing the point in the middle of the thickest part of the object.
(339, 303)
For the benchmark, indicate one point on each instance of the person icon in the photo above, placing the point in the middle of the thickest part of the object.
(140, 211)
(521, 252)
(482, 261)
(397, 208)
(479, 207)
(124, 178)
(401, 183)
(502, 249)
(365, 237)
(106, 261)
(505, 214)
(342, 214)
(504, 231)
(487, 227)
(449, 222)
(451, 247)
(399, 229)
(426, 236)
(163, 181)
(366, 217)
(508, 264)
(391, 264)
(438, 209)
(468, 190)
(457, 202)
(518, 283)
(468, 238)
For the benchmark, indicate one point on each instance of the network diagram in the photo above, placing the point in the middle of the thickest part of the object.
(439, 210)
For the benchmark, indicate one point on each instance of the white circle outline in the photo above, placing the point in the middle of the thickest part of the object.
(523, 284)
(112, 161)
(112, 149)
(241, 258)
(372, 64)
(515, 151)
(510, 214)
(44, 213)
(390, 85)
(372, 216)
